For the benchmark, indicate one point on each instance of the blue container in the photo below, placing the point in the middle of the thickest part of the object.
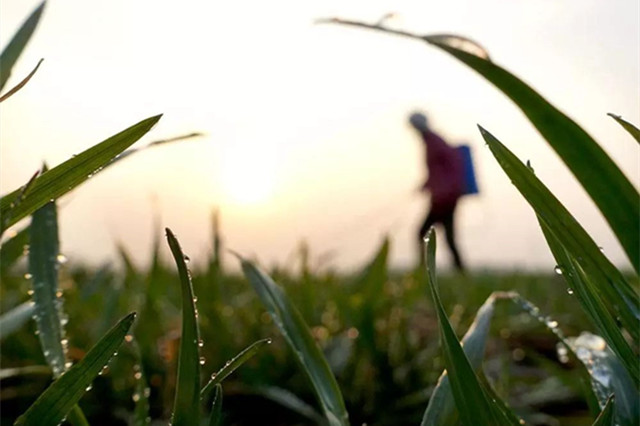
(470, 183)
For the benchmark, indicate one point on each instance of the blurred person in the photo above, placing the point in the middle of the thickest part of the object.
(445, 184)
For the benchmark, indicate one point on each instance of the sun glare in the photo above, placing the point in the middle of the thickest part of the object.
(248, 173)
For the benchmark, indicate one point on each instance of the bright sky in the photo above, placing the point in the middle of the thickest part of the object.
(306, 124)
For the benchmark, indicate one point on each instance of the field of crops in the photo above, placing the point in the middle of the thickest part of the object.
(194, 344)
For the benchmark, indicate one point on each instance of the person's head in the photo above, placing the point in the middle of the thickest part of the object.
(419, 121)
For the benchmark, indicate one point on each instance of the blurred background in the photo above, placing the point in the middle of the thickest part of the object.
(306, 134)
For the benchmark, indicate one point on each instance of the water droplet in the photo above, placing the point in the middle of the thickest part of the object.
(64, 342)
(58, 294)
(195, 299)
(28, 276)
(68, 365)
(137, 375)
(128, 338)
(88, 388)
(552, 324)
(187, 259)
(269, 341)
(558, 270)
(200, 343)
(601, 249)
(136, 397)
(30, 292)
(61, 258)
(147, 392)
(202, 360)
(570, 291)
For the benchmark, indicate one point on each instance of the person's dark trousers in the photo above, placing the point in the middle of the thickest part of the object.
(443, 214)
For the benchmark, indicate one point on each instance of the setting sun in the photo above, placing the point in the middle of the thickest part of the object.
(248, 173)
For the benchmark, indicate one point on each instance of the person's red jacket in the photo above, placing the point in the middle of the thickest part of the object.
(446, 171)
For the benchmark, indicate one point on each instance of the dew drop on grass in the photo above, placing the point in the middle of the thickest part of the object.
(137, 375)
(30, 292)
(195, 299)
(202, 360)
(28, 276)
(269, 341)
(128, 338)
(88, 388)
(558, 270)
(136, 397)
(187, 259)
(58, 294)
(569, 290)
(61, 258)
(200, 343)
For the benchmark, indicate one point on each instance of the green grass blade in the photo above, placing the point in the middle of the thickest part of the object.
(441, 409)
(606, 374)
(141, 391)
(216, 407)
(296, 332)
(44, 250)
(606, 417)
(23, 83)
(592, 303)
(16, 318)
(615, 289)
(291, 401)
(12, 52)
(232, 365)
(473, 404)
(186, 409)
(605, 183)
(63, 178)
(59, 398)
(633, 130)
(13, 249)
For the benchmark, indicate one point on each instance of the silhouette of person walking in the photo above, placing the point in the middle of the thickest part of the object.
(445, 183)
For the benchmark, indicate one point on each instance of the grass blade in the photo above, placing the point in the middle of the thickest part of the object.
(605, 372)
(63, 178)
(297, 334)
(186, 409)
(473, 404)
(606, 417)
(13, 249)
(44, 250)
(60, 397)
(216, 407)
(633, 130)
(21, 84)
(592, 303)
(232, 365)
(605, 183)
(12, 52)
(441, 409)
(612, 285)
(16, 318)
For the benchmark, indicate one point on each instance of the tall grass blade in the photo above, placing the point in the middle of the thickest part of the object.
(633, 130)
(16, 318)
(63, 178)
(13, 249)
(441, 409)
(605, 372)
(141, 391)
(592, 303)
(186, 409)
(12, 52)
(291, 401)
(296, 332)
(611, 284)
(215, 417)
(471, 399)
(605, 183)
(232, 365)
(44, 250)
(21, 84)
(606, 417)
(58, 399)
